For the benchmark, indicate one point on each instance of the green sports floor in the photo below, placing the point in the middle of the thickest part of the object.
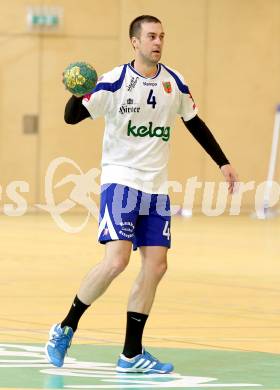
(23, 366)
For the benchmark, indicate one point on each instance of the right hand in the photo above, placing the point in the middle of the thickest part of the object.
(76, 95)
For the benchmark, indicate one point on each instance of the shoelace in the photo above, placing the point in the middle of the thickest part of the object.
(150, 356)
(62, 342)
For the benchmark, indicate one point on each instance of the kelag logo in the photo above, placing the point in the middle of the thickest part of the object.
(148, 131)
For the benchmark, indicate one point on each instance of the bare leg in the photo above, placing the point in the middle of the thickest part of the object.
(116, 258)
(134, 358)
(154, 266)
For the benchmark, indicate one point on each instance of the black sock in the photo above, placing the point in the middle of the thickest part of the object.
(75, 313)
(134, 331)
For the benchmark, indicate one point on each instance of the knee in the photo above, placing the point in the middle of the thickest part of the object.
(117, 265)
(159, 267)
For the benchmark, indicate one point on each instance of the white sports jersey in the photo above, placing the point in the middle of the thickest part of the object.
(139, 118)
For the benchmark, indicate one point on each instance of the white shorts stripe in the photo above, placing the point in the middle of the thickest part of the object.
(106, 220)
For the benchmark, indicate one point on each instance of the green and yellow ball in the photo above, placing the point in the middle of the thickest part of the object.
(79, 78)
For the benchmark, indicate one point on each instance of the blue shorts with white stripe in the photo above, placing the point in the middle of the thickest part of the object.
(133, 215)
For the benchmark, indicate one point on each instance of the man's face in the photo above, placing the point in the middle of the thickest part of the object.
(150, 42)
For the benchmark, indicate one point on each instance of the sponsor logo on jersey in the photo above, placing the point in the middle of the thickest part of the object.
(149, 84)
(128, 107)
(132, 83)
(167, 86)
(148, 131)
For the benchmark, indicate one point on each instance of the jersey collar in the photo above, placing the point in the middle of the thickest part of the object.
(130, 65)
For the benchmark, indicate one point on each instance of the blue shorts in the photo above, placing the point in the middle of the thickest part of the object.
(133, 215)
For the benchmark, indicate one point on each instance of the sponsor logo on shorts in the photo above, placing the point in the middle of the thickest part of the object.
(148, 131)
(127, 229)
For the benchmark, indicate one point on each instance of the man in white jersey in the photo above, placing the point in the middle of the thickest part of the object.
(139, 101)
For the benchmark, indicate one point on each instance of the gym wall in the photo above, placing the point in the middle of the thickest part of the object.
(227, 51)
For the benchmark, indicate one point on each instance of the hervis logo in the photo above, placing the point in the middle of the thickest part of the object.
(148, 131)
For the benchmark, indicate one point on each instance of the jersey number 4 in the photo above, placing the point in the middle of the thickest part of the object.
(166, 230)
(152, 99)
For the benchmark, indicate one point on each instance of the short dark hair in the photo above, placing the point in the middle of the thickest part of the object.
(135, 25)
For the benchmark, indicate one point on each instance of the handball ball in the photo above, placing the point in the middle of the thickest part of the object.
(79, 78)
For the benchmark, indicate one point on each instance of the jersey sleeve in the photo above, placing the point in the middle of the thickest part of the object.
(101, 100)
(98, 103)
(187, 107)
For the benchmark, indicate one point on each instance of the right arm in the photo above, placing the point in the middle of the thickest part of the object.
(97, 103)
(75, 111)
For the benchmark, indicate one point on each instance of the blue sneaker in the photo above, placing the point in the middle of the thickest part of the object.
(59, 341)
(145, 363)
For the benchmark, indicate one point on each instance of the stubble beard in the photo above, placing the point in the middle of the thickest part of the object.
(148, 60)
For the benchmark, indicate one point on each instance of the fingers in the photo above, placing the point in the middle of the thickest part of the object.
(231, 178)
(233, 183)
(231, 187)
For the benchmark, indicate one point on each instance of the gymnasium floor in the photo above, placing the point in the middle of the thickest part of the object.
(216, 314)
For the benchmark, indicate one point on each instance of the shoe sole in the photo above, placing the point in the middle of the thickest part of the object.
(141, 371)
